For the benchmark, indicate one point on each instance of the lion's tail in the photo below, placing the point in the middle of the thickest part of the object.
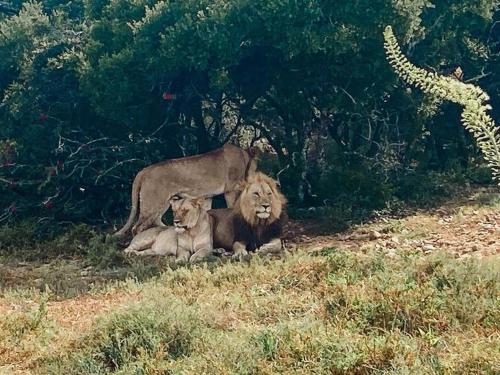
(136, 187)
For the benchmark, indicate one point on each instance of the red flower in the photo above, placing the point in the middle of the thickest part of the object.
(13, 208)
(168, 96)
(43, 117)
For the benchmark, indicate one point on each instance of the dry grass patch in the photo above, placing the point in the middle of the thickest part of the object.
(375, 302)
(332, 312)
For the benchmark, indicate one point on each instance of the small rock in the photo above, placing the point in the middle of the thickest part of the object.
(391, 253)
(428, 249)
(373, 235)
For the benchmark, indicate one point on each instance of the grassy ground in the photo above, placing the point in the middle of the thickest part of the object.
(419, 293)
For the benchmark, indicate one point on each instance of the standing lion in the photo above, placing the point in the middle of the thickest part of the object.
(206, 175)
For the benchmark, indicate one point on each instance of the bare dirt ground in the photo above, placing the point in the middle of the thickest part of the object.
(468, 226)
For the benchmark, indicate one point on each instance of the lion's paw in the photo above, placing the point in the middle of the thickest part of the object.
(196, 258)
(181, 261)
(240, 255)
(220, 251)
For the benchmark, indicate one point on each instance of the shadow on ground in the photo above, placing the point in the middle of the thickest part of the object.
(82, 260)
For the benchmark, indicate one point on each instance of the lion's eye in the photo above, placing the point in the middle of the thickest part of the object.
(269, 194)
(255, 194)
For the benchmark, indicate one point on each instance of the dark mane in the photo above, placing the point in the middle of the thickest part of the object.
(257, 235)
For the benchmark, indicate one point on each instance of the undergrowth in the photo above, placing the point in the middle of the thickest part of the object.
(353, 201)
(334, 312)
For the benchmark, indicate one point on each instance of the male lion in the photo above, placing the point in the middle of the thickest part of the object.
(190, 239)
(255, 223)
(205, 175)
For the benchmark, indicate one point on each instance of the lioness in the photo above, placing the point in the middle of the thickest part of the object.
(190, 239)
(154, 241)
(203, 175)
(255, 222)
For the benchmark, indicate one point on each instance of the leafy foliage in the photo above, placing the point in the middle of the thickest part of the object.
(93, 90)
(472, 98)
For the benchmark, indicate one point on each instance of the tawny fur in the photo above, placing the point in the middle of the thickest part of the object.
(203, 175)
(190, 239)
(257, 192)
(247, 207)
(154, 241)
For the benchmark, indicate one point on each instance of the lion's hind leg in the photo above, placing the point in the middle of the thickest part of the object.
(143, 240)
(143, 224)
(166, 243)
(142, 252)
(200, 255)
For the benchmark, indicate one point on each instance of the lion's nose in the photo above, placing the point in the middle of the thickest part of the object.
(265, 205)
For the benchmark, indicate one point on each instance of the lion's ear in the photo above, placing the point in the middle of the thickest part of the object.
(199, 202)
(205, 203)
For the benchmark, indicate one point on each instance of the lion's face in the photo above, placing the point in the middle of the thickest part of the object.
(260, 200)
(186, 211)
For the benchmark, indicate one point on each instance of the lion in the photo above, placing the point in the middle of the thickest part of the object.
(205, 175)
(154, 241)
(255, 222)
(190, 239)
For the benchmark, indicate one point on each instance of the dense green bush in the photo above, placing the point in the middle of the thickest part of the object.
(91, 91)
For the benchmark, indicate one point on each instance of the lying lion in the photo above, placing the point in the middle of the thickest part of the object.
(255, 222)
(203, 175)
(190, 239)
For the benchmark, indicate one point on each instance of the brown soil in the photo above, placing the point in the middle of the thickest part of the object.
(464, 227)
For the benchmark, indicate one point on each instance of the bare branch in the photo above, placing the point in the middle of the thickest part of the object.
(85, 145)
(114, 167)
